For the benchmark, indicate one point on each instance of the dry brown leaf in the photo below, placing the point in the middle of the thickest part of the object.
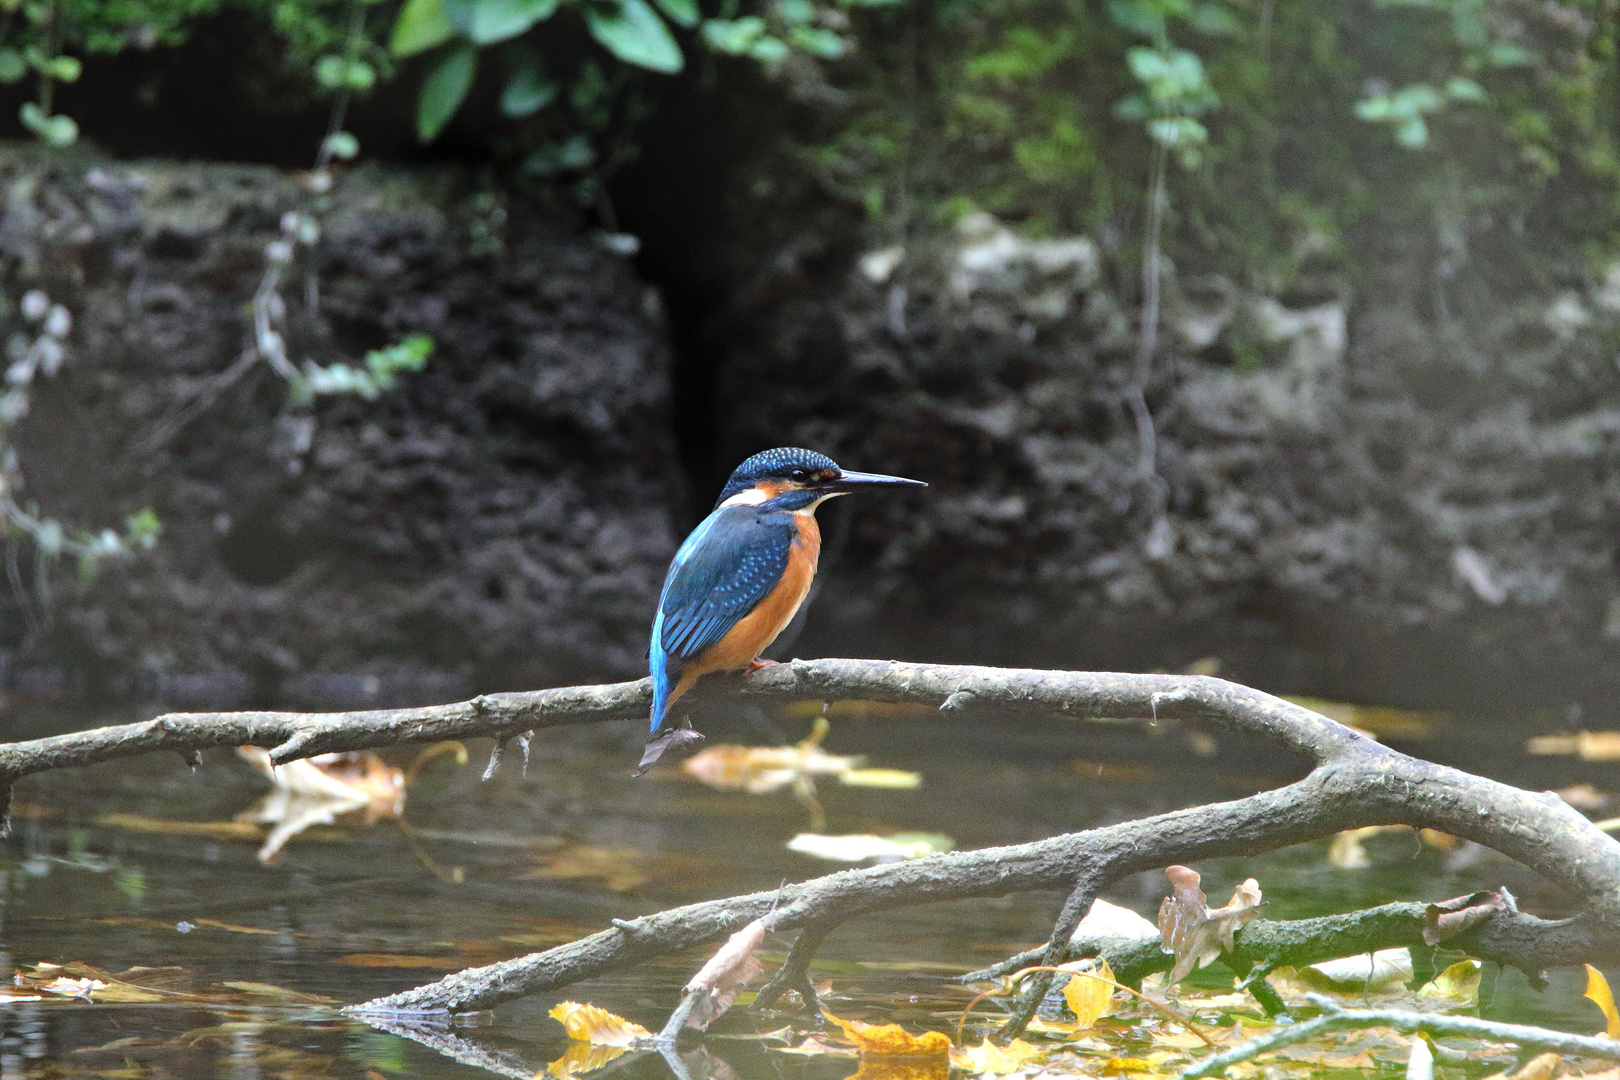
(1088, 996)
(1597, 991)
(1451, 917)
(728, 972)
(1195, 933)
(892, 1040)
(590, 1023)
(987, 1057)
(319, 790)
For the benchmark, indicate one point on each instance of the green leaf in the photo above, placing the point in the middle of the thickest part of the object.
(12, 66)
(796, 12)
(527, 88)
(62, 68)
(635, 34)
(342, 145)
(1413, 133)
(487, 21)
(733, 36)
(421, 25)
(339, 72)
(444, 89)
(768, 50)
(817, 41)
(1460, 89)
(683, 13)
(57, 131)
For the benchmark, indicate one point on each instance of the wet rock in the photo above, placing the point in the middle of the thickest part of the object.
(499, 520)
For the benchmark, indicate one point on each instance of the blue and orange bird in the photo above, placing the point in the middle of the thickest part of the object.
(739, 578)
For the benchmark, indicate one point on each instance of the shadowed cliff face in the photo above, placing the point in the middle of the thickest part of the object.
(501, 519)
(1379, 491)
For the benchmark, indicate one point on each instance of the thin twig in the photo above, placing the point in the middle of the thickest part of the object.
(1334, 1018)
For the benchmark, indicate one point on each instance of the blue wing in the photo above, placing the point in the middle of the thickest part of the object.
(723, 570)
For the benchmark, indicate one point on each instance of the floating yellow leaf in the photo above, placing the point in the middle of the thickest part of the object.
(583, 1057)
(892, 1040)
(899, 1068)
(590, 1023)
(1459, 982)
(990, 1058)
(1087, 995)
(1597, 990)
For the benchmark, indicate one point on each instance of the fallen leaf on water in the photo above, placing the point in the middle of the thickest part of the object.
(1541, 1067)
(1420, 1064)
(401, 960)
(1459, 982)
(1587, 745)
(896, 779)
(729, 970)
(213, 830)
(1583, 797)
(892, 1040)
(1448, 918)
(1087, 994)
(987, 1057)
(620, 869)
(1113, 770)
(859, 847)
(319, 790)
(923, 1068)
(1597, 991)
(1111, 920)
(1370, 972)
(1194, 932)
(145, 985)
(1383, 722)
(590, 1023)
(760, 770)
(583, 1057)
(814, 1047)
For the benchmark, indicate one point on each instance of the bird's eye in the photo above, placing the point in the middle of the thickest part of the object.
(798, 476)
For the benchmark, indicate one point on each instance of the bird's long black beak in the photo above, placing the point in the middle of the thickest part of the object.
(861, 481)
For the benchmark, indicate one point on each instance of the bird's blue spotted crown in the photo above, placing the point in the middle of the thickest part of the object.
(784, 462)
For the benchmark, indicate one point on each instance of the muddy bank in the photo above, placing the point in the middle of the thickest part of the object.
(500, 519)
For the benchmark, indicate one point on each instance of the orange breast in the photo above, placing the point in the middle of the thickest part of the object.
(755, 631)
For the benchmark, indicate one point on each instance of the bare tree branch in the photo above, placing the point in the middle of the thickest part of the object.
(1353, 781)
(1336, 1018)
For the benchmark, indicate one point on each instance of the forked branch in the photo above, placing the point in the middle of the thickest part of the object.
(1353, 782)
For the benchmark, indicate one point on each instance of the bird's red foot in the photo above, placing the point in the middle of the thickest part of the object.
(759, 662)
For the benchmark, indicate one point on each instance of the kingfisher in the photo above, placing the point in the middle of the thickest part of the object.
(739, 578)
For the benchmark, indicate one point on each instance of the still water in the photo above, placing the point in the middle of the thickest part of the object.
(497, 868)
